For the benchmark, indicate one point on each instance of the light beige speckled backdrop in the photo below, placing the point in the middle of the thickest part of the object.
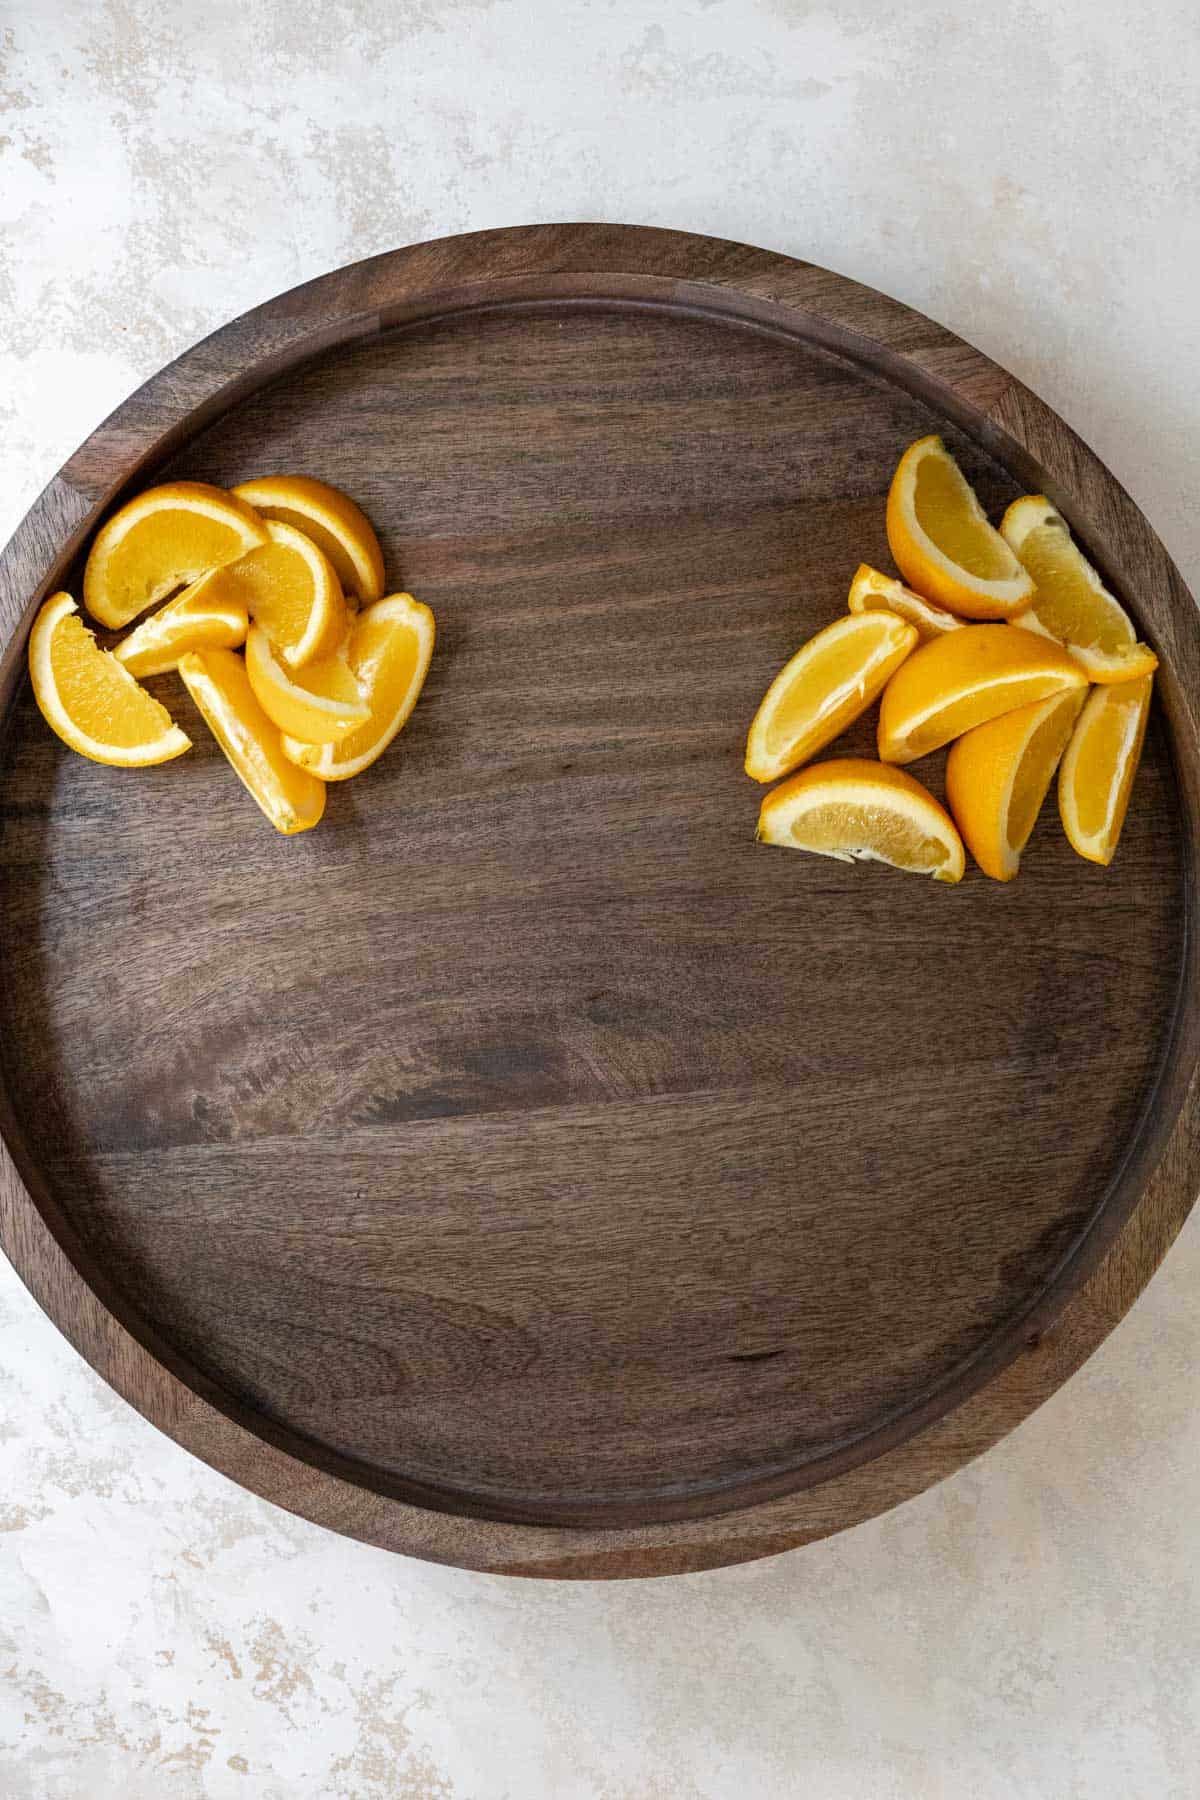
(1032, 1627)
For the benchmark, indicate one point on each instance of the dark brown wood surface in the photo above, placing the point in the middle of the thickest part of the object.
(525, 1169)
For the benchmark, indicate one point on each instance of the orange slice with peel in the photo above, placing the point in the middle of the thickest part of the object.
(319, 704)
(965, 678)
(1096, 774)
(160, 541)
(1072, 604)
(292, 799)
(331, 519)
(857, 810)
(942, 542)
(90, 701)
(873, 591)
(997, 776)
(197, 619)
(291, 589)
(829, 682)
(390, 645)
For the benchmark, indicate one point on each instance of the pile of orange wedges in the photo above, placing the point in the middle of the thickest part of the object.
(268, 601)
(1002, 643)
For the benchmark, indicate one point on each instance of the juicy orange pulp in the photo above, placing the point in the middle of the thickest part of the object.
(942, 542)
(162, 540)
(854, 809)
(830, 682)
(389, 650)
(217, 681)
(90, 701)
(963, 679)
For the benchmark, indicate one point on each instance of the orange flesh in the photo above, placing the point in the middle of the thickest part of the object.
(938, 504)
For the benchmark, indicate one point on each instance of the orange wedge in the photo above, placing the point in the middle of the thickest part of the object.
(167, 537)
(291, 589)
(217, 681)
(998, 774)
(197, 619)
(942, 542)
(1072, 604)
(963, 679)
(331, 519)
(92, 703)
(390, 645)
(1096, 774)
(825, 687)
(872, 591)
(319, 704)
(856, 810)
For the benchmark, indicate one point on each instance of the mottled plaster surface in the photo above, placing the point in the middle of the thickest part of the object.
(1032, 1627)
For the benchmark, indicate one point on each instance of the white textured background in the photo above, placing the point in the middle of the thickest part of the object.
(1032, 1627)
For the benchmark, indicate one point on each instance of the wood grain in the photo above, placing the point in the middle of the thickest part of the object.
(527, 1170)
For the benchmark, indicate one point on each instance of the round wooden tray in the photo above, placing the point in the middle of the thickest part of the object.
(526, 1170)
